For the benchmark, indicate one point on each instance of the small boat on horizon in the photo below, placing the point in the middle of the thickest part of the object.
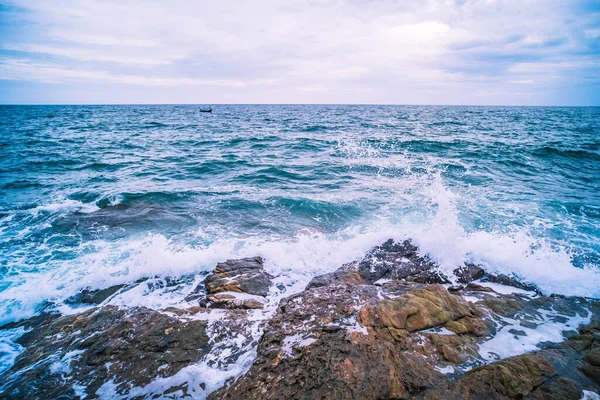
(206, 110)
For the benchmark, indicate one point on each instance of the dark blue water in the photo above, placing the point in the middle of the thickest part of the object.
(97, 195)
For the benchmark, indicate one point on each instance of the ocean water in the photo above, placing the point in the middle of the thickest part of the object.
(92, 196)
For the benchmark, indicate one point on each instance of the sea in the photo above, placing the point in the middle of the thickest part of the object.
(98, 195)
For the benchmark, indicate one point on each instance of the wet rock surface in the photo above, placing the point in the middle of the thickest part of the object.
(239, 283)
(399, 261)
(384, 328)
(131, 347)
(118, 352)
(89, 296)
(389, 326)
(246, 275)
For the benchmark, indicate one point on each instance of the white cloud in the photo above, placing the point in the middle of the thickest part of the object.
(387, 48)
(117, 54)
(523, 82)
(24, 70)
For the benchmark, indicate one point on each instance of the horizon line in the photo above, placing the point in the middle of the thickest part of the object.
(295, 104)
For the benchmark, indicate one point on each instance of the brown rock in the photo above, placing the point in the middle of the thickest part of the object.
(348, 275)
(470, 325)
(245, 275)
(335, 367)
(504, 307)
(454, 349)
(593, 357)
(417, 310)
(139, 344)
(560, 389)
(591, 372)
(511, 378)
(231, 300)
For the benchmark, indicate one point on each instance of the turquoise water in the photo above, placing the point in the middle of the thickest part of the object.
(96, 195)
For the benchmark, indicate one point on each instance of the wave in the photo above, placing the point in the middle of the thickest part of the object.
(548, 151)
(295, 260)
(273, 175)
(448, 123)
(153, 124)
(65, 205)
(314, 128)
(129, 198)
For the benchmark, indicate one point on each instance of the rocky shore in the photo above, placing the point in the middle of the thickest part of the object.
(389, 326)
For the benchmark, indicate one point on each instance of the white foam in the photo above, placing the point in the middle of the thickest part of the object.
(9, 349)
(63, 366)
(108, 390)
(435, 227)
(505, 289)
(295, 341)
(505, 344)
(446, 370)
(439, 330)
(295, 262)
(589, 395)
(357, 327)
(534, 260)
(382, 281)
(66, 205)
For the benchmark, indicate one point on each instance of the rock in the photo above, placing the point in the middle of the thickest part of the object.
(511, 281)
(560, 389)
(470, 325)
(479, 288)
(528, 324)
(514, 376)
(469, 272)
(593, 357)
(131, 347)
(334, 356)
(374, 329)
(455, 288)
(335, 367)
(241, 283)
(420, 309)
(235, 300)
(453, 348)
(245, 275)
(347, 274)
(89, 296)
(398, 261)
(591, 372)
(507, 379)
(517, 332)
(501, 306)
(379, 328)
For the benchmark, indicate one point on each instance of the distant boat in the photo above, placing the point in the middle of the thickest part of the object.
(209, 109)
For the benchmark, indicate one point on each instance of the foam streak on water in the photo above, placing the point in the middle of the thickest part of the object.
(92, 196)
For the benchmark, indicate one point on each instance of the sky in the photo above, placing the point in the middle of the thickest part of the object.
(488, 52)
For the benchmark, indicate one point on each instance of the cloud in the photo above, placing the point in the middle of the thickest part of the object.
(16, 70)
(384, 51)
